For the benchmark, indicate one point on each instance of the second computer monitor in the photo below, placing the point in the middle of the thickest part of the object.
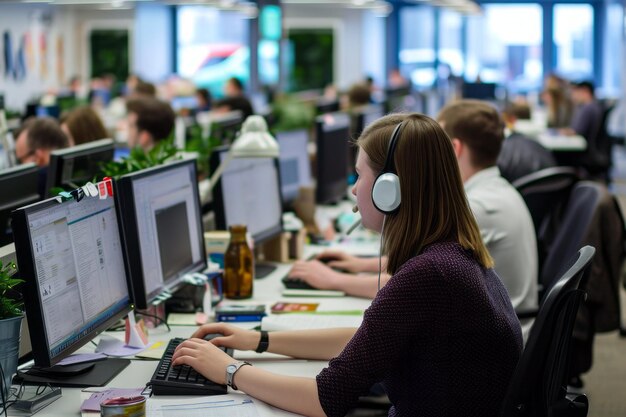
(73, 167)
(248, 193)
(160, 215)
(332, 138)
(294, 163)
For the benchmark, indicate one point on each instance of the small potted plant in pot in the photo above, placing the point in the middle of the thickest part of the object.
(11, 314)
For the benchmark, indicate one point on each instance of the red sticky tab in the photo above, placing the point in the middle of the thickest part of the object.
(109, 185)
(102, 190)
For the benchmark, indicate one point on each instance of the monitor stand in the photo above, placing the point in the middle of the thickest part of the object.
(91, 374)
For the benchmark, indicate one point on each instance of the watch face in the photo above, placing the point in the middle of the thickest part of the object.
(231, 368)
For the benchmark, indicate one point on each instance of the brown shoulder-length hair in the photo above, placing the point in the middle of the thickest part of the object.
(434, 207)
(84, 125)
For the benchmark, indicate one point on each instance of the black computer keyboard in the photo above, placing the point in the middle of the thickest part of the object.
(181, 380)
(297, 284)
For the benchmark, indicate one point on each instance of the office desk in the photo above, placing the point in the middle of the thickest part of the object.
(552, 141)
(266, 290)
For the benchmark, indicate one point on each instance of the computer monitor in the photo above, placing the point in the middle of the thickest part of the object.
(364, 116)
(225, 127)
(70, 168)
(294, 164)
(71, 257)
(248, 192)
(324, 106)
(18, 188)
(332, 137)
(479, 91)
(162, 225)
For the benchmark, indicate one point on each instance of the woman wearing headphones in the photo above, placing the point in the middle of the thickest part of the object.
(441, 335)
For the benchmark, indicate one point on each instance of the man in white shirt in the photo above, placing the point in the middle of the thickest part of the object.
(477, 132)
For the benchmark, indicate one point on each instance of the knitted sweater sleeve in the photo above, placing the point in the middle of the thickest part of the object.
(403, 310)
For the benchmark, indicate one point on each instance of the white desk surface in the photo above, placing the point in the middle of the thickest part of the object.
(266, 290)
(551, 141)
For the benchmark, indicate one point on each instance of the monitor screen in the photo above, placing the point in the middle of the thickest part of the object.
(160, 216)
(479, 91)
(294, 164)
(224, 127)
(248, 193)
(70, 255)
(333, 134)
(73, 167)
(18, 188)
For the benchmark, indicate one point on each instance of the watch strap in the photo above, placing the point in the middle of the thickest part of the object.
(230, 372)
(264, 342)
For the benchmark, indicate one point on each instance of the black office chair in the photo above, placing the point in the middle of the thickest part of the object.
(568, 235)
(538, 387)
(545, 193)
(521, 156)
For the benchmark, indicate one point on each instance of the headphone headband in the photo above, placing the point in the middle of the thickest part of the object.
(389, 163)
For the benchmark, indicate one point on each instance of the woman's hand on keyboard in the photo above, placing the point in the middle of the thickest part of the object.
(229, 336)
(316, 274)
(204, 357)
(341, 260)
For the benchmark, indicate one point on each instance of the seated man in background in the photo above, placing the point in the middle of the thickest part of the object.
(477, 132)
(521, 155)
(588, 122)
(149, 121)
(36, 139)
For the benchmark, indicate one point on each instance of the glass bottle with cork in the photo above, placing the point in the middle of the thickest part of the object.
(238, 265)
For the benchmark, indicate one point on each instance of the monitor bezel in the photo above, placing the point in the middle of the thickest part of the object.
(58, 156)
(127, 214)
(287, 201)
(32, 296)
(322, 196)
(11, 174)
(218, 200)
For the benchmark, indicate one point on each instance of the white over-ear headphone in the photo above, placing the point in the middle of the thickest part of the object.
(386, 190)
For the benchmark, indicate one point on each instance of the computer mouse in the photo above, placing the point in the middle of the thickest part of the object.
(212, 336)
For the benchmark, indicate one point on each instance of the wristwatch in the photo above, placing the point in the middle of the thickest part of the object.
(231, 370)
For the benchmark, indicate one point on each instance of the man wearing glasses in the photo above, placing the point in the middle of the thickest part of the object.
(35, 141)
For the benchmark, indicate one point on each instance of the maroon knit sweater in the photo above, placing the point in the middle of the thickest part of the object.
(441, 336)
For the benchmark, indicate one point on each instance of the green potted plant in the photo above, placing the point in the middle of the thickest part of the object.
(11, 314)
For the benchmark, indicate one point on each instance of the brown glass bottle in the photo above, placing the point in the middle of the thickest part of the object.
(238, 265)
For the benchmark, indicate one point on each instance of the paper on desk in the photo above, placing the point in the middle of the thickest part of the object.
(180, 319)
(111, 346)
(231, 405)
(308, 321)
(93, 402)
(82, 357)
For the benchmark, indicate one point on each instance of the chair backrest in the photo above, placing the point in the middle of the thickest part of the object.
(538, 386)
(573, 227)
(521, 156)
(545, 193)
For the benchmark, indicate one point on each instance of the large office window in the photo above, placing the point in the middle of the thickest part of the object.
(417, 45)
(505, 46)
(450, 47)
(613, 55)
(573, 39)
(212, 46)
